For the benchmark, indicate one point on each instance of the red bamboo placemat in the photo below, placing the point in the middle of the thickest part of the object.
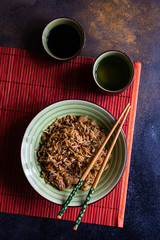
(30, 81)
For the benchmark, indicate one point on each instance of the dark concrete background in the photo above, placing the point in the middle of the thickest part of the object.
(127, 25)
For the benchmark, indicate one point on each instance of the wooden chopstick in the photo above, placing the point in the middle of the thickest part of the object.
(99, 173)
(60, 214)
(104, 144)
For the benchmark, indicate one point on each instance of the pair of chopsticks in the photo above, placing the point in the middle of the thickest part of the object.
(124, 113)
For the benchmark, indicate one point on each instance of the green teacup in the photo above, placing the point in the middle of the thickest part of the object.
(63, 38)
(113, 71)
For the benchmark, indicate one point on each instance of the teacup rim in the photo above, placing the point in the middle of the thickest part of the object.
(125, 87)
(83, 38)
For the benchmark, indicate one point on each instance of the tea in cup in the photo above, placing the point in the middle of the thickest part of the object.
(63, 38)
(113, 71)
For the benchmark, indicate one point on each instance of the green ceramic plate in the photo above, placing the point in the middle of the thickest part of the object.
(31, 141)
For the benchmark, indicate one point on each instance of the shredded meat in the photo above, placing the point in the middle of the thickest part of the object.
(66, 149)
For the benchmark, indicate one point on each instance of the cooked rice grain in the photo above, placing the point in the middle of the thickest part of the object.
(66, 149)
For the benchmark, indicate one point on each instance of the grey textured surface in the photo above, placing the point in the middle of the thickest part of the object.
(127, 25)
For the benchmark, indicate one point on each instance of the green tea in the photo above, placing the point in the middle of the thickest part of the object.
(112, 73)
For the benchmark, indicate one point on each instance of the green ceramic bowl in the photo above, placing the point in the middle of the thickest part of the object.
(31, 141)
(113, 71)
(63, 44)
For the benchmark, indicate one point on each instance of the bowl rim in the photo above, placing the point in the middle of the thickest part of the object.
(128, 84)
(83, 38)
(113, 118)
